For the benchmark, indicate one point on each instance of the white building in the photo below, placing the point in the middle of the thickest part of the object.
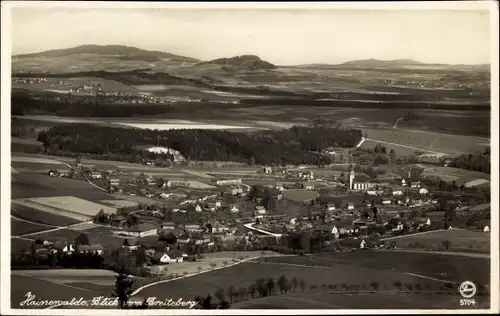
(362, 245)
(330, 207)
(423, 191)
(198, 208)
(234, 209)
(386, 202)
(96, 175)
(359, 186)
(260, 210)
(397, 193)
(486, 229)
(141, 230)
(228, 181)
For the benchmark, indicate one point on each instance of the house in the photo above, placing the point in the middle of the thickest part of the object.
(279, 186)
(486, 229)
(288, 228)
(198, 208)
(96, 175)
(227, 181)
(362, 245)
(218, 203)
(218, 228)
(114, 182)
(403, 182)
(386, 202)
(279, 196)
(53, 173)
(69, 248)
(260, 210)
(397, 193)
(268, 170)
(192, 228)
(371, 192)
(335, 231)
(140, 230)
(168, 226)
(184, 238)
(415, 184)
(167, 184)
(423, 191)
(236, 191)
(160, 257)
(234, 209)
(330, 207)
(330, 151)
(130, 245)
(350, 206)
(307, 186)
(199, 239)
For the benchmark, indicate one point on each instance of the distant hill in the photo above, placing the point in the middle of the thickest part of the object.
(119, 51)
(382, 63)
(246, 61)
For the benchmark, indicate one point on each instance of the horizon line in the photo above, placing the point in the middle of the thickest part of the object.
(291, 65)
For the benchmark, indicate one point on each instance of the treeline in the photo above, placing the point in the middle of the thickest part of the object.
(303, 101)
(297, 145)
(474, 162)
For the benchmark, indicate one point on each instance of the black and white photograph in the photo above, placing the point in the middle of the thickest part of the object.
(249, 157)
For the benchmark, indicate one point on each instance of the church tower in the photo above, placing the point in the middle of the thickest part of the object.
(351, 180)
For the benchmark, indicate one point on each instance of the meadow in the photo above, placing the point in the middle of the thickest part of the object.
(299, 195)
(34, 215)
(460, 240)
(18, 227)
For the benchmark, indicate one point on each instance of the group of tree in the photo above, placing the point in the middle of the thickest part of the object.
(475, 162)
(297, 145)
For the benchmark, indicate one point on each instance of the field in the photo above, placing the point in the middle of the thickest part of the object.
(427, 140)
(460, 240)
(73, 204)
(28, 185)
(299, 195)
(19, 227)
(52, 284)
(443, 267)
(329, 300)
(357, 268)
(352, 269)
(34, 215)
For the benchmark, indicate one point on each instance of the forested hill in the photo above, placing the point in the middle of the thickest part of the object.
(297, 145)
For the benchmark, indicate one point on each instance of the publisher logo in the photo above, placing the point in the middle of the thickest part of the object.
(467, 289)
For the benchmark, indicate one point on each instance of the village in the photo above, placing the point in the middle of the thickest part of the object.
(177, 221)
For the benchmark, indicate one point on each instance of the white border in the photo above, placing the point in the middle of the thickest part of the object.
(490, 6)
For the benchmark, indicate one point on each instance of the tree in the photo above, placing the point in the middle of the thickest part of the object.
(418, 287)
(295, 283)
(242, 291)
(230, 292)
(375, 286)
(252, 289)
(282, 283)
(446, 244)
(398, 285)
(220, 295)
(82, 239)
(213, 265)
(409, 286)
(392, 155)
(132, 220)
(270, 285)
(252, 161)
(303, 285)
(123, 289)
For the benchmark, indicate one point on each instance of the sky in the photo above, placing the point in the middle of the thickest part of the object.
(283, 37)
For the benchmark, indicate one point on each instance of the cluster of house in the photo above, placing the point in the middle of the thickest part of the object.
(47, 248)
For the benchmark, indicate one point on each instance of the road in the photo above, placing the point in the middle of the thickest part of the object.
(250, 227)
(396, 123)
